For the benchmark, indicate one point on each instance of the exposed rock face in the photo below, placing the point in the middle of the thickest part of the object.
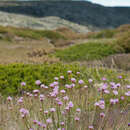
(46, 23)
(81, 12)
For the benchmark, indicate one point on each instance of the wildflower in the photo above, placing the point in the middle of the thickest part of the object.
(78, 73)
(44, 125)
(9, 98)
(49, 121)
(104, 79)
(115, 92)
(39, 123)
(128, 86)
(69, 71)
(70, 104)
(106, 91)
(78, 110)
(67, 86)
(91, 127)
(90, 80)
(77, 118)
(42, 86)
(42, 97)
(46, 112)
(62, 123)
(127, 93)
(66, 98)
(52, 85)
(85, 86)
(102, 115)
(114, 101)
(73, 80)
(36, 91)
(122, 97)
(81, 82)
(24, 112)
(52, 109)
(38, 82)
(120, 77)
(20, 100)
(56, 78)
(128, 124)
(61, 77)
(23, 84)
(63, 91)
(60, 103)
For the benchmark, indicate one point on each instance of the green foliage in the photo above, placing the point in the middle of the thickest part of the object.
(12, 75)
(124, 41)
(87, 51)
(30, 33)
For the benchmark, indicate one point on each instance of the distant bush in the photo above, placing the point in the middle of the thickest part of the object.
(124, 41)
(12, 75)
(30, 33)
(87, 51)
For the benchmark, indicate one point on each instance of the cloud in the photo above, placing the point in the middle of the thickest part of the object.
(112, 2)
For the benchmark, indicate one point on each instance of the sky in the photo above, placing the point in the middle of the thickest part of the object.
(112, 2)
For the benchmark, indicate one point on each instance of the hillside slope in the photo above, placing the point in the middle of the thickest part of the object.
(81, 12)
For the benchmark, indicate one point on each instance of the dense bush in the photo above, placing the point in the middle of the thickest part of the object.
(124, 41)
(30, 33)
(12, 75)
(87, 51)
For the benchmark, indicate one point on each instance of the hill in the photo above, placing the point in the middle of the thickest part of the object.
(80, 12)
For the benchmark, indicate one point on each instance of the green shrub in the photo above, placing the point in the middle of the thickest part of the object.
(124, 41)
(12, 75)
(87, 51)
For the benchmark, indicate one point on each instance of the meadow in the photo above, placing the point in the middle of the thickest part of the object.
(44, 83)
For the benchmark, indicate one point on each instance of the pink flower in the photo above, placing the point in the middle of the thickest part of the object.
(91, 127)
(42, 97)
(122, 97)
(90, 80)
(42, 86)
(44, 125)
(35, 121)
(115, 92)
(106, 91)
(24, 111)
(102, 115)
(63, 91)
(78, 110)
(56, 78)
(70, 104)
(67, 86)
(77, 118)
(127, 93)
(61, 77)
(73, 80)
(23, 84)
(104, 79)
(128, 86)
(20, 100)
(45, 112)
(78, 73)
(49, 121)
(69, 71)
(120, 77)
(52, 109)
(36, 91)
(9, 98)
(62, 123)
(60, 103)
(66, 98)
(81, 82)
(38, 82)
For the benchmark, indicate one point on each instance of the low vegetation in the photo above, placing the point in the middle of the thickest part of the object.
(87, 51)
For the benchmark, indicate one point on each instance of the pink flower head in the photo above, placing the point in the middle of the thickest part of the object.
(115, 92)
(78, 73)
(102, 115)
(66, 98)
(39, 123)
(70, 104)
(62, 123)
(78, 110)
(104, 79)
(122, 97)
(120, 77)
(127, 93)
(62, 91)
(24, 111)
(49, 121)
(81, 82)
(69, 71)
(60, 103)
(45, 112)
(91, 127)
(42, 86)
(42, 97)
(90, 80)
(67, 86)
(118, 85)
(36, 91)
(103, 87)
(77, 118)
(23, 84)
(38, 82)
(114, 101)
(35, 121)
(61, 77)
(73, 80)
(128, 86)
(20, 100)
(9, 98)
(44, 125)
(106, 91)
(56, 78)
(52, 109)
